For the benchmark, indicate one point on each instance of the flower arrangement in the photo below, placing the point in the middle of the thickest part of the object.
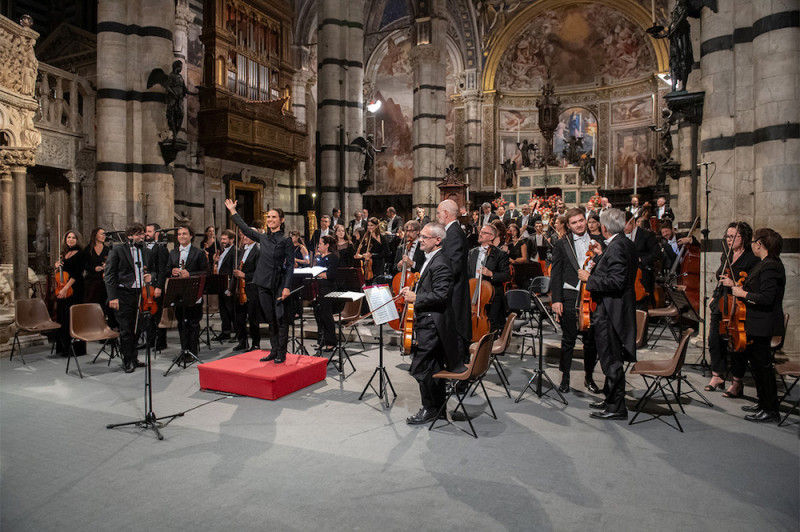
(499, 202)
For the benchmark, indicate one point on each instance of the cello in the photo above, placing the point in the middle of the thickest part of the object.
(482, 293)
(737, 337)
(586, 305)
(689, 262)
(61, 277)
(408, 319)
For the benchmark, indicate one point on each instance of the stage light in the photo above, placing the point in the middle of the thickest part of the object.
(374, 106)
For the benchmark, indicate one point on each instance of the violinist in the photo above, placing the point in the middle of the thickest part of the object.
(593, 224)
(209, 243)
(323, 306)
(411, 253)
(248, 313)
(737, 258)
(184, 261)
(569, 256)
(647, 251)
(762, 294)
(344, 247)
(71, 262)
(225, 265)
(372, 247)
(94, 264)
(490, 263)
(125, 273)
(158, 248)
(302, 258)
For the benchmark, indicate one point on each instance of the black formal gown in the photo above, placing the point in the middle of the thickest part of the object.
(73, 266)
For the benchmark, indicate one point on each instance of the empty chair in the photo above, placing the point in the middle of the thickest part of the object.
(472, 376)
(641, 328)
(776, 344)
(499, 347)
(660, 374)
(88, 323)
(349, 318)
(788, 369)
(665, 316)
(30, 315)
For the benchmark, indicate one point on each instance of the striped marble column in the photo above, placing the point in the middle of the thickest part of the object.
(472, 138)
(131, 119)
(340, 101)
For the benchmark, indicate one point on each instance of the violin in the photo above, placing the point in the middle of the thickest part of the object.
(408, 320)
(62, 278)
(586, 305)
(401, 280)
(737, 337)
(366, 264)
(240, 293)
(482, 293)
(148, 303)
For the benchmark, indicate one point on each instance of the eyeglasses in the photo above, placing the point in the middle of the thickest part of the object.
(426, 237)
(755, 241)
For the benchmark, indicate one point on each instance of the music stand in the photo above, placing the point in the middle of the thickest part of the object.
(540, 373)
(383, 376)
(302, 288)
(183, 292)
(216, 285)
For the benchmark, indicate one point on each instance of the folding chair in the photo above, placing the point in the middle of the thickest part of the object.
(788, 369)
(499, 347)
(30, 315)
(88, 324)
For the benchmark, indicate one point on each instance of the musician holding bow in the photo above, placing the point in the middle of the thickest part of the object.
(490, 263)
(248, 312)
(411, 253)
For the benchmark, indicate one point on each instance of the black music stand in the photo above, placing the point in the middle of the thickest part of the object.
(216, 285)
(540, 373)
(302, 288)
(340, 351)
(383, 376)
(685, 311)
(183, 292)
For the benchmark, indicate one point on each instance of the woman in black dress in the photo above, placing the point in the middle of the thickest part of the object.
(373, 242)
(71, 262)
(593, 224)
(762, 294)
(323, 309)
(302, 258)
(517, 247)
(94, 264)
(344, 248)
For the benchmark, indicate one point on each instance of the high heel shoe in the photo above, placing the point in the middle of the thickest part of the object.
(735, 391)
(712, 386)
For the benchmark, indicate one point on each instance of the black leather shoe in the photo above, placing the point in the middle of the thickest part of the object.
(763, 416)
(609, 415)
(241, 346)
(141, 346)
(751, 408)
(422, 417)
(598, 405)
(591, 386)
(129, 368)
(255, 347)
(139, 364)
(280, 360)
(269, 358)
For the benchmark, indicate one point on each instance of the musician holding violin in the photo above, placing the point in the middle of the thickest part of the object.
(761, 293)
(244, 294)
(410, 253)
(488, 269)
(94, 265)
(737, 259)
(188, 261)
(571, 254)
(224, 264)
(323, 306)
(158, 248)
(125, 276)
(69, 288)
(371, 251)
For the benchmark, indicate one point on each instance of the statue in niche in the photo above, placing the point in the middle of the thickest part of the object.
(176, 93)
(369, 150)
(664, 164)
(525, 151)
(509, 172)
(587, 169)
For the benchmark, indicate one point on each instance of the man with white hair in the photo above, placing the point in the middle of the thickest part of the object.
(455, 248)
(487, 216)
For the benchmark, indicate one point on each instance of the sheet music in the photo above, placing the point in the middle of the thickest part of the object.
(352, 296)
(313, 271)
(380, 297)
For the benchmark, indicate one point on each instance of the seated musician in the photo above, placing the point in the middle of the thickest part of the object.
(672, 244)
(184, 261)
(248, 314)
(410, 253)
(323, 306)
(647, 251)
(492, 263)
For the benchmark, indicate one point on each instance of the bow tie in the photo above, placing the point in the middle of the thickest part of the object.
(576, 237)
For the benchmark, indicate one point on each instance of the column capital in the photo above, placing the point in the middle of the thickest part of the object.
(74, 176)
(183, 14)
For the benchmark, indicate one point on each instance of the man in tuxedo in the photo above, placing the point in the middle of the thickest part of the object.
(324, 229)
(188, 261)
(336, 217)
(634, 207)
(412, 257)
(611, 284)
(152, 240)
(569, 256)
(356, 222)
(455, 249)
(434, 332)
(125, 273)
(671, 244)
(248, 313)
(492, 263)
(225, 260)
(394, 222)
(511, 214)
(647, 251)
(501, 213)
(663, 210)
(487, 216)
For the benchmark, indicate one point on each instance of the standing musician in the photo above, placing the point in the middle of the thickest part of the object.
(188, 261)
(454, 247)
(225, 259)
(357, 222)
(71, 262)
(413, 257)
(94, 265)
(435, 334)
(393, 221)
(540, 245)
(662, 209)
(344, 248)
(373, 247)
(611, 285)
(421, 217)
(487, 216)
(273, 277)
(324, 229)
(160, 256)
(569, 256)
(647, 251)
(762, 294)
(492, 263)
(249, 313)
(323, 306)
(125, 271)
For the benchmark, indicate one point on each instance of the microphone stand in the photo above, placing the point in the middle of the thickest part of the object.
(703, 362)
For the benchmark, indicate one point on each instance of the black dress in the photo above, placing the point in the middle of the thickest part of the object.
(515, 250)
(378, 249)
(346, 253)
(94, 287)
(74, 266)
(323, 308)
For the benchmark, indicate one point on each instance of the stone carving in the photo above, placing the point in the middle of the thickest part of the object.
(55, 151)
(176, 93)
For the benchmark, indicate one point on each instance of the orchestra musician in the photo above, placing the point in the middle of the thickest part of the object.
(94, 265)
(421, 218)
(209, 243)
(614, 321)
(302, 258)
(435, 334)
(593, 224)
(569, 256)
(634, 208)
(356, 222)
(324, 229)
(517, 245)
(273, 277)
(323, 306)
(671, 244)
(225, 265)
(540, 245)
(492, 263)
(248, 315)
(454, 248)
(762, 294)
(344, 247)
(414, 257)
(393, 221)
(647, 251)
(487, 216)
(124, 273)
(336, 217)
(160, 256)
(188, 261)
(377, 248)
(662, 209)
(71, 262)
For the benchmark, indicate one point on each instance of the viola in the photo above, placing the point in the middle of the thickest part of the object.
(148, 303)
(402, 279)
(737, 337)
(408, 320)
(62, 278)
(366, 264)
(638, 287)
(587, 306)
(482, 292)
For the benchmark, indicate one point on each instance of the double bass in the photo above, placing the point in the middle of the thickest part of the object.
(408, 319)
(688, 261)
(482, 293)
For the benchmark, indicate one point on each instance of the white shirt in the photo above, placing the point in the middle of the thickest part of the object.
(481, 257)
(485, 219)
(224, 252)
(674, 244)
(632, 235)
(136, 254)
(184, 256)
(635, 210)
(581, 246)
(324, 232)
(661, 212)
(428, 257)
(247, 251)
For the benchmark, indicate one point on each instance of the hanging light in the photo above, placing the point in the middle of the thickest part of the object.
(374, 106)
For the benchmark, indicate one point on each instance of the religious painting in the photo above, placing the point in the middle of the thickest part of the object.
(584, 45)
(632, 111)
(631, 158)
(577, 127)
(513, 120)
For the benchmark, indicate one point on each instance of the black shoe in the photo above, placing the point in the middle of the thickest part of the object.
(280, 359)
(456, 415)
(462, 387)
(255, 347)
(763, 416)
(564, 386)
(610, 415)
(269, 358)
(224, 336)
(598, 405)
(241, 346)
(422, 417)
(129, 368)
(751, 408)
(590, 385)
(139, 364)
(141, 346)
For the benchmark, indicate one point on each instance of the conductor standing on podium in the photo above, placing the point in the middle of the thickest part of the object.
(273, 276)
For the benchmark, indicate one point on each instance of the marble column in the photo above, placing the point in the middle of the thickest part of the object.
(472, 138)
(7, 216)
(74, 178)
(20, 231)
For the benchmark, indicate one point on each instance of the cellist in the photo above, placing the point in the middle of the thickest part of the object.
(411, 253)
(569, 255)
(491, 263)
(737, 258)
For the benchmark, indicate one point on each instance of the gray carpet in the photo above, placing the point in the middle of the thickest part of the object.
(321, 459)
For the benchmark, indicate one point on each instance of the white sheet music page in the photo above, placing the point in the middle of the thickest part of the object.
(379, 300)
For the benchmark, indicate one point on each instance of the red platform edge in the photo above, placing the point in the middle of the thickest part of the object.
(245, 375)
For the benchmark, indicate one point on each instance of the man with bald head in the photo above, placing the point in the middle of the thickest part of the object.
(455, 249)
